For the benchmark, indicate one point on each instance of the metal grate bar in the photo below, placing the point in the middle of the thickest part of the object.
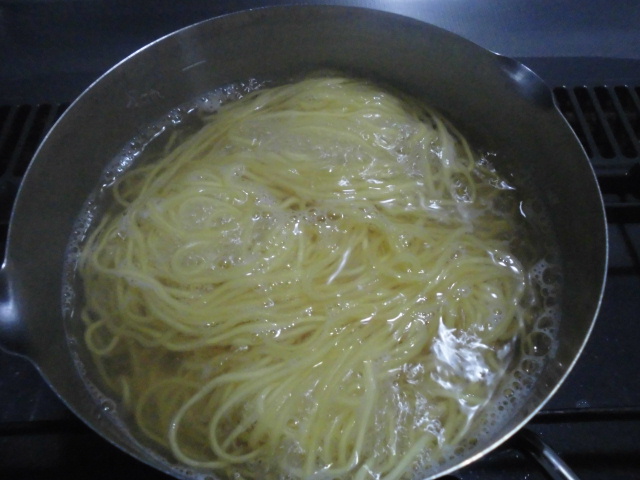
(617, 121)
(39, 121)
(42, 427)
(21, 131)
(27, 121)
(571, 110)
(10, 132)
(5, 111)
(606, 120)
(598, 127)
(588, 415)
(22, 128)
(630, 105)
(623, 212)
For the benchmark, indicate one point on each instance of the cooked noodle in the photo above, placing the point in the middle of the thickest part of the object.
(316, 283)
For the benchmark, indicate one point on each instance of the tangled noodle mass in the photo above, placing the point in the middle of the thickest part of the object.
(317, 283)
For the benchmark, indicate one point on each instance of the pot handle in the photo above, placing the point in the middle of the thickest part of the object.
(12, 329)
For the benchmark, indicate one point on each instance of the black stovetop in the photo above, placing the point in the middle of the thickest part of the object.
(588, 53)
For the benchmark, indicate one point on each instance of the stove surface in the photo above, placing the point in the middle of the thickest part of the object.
(588, 52)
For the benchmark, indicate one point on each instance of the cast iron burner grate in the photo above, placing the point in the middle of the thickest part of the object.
(606, 119)
(22, 128)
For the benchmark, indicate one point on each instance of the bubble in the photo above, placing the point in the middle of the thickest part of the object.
(538, 269)
(540, 344)
(545, 322)
(551, 276)
(108, 406)
(82, 370)
(211, 103)
(68, 300)
(529, 366)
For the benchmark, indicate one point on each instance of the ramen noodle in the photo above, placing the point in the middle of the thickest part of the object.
(322, 282)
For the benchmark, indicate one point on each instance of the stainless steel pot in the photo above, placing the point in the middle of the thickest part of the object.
(498, 103)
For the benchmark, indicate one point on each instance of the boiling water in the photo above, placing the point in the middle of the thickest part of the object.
(458, 354)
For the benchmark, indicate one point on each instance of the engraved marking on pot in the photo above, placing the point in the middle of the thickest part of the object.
(137, 99)
(193, 65)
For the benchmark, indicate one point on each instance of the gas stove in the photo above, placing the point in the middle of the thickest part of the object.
(588, 54)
